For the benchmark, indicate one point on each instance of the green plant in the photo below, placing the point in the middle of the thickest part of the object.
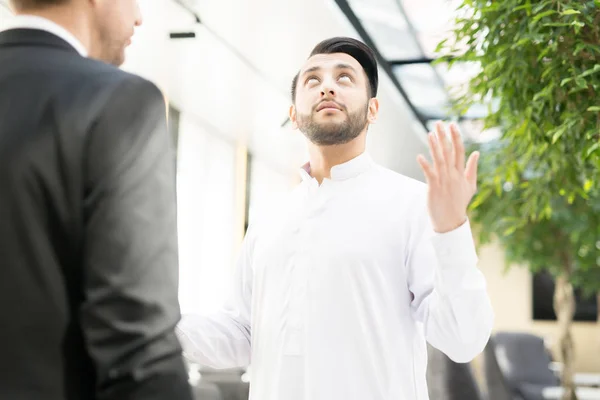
(538, 185)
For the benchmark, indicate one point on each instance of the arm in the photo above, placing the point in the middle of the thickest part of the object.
(130, 257)
(223, 340)
(450, 296)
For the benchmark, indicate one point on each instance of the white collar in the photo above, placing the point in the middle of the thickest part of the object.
(347, 170)
(44, 24)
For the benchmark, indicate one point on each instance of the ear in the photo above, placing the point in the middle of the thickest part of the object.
(373, 110)
(293, 117)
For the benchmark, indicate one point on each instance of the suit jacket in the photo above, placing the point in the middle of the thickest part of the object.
(88, 241)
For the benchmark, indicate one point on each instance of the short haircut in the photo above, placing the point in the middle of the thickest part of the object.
(355, 49)
(36, 4)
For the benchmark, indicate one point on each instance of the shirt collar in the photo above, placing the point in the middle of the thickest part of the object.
(43, 24)
(347, 170)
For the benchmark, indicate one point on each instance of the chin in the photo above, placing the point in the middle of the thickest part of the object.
(118, 59)
(330, 125)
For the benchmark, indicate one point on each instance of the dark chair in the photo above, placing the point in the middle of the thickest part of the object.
(517, 365)
(448, 380)
(497, 387)
(229, 382)
(207, 391)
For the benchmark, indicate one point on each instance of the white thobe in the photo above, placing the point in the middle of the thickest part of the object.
(338, 290)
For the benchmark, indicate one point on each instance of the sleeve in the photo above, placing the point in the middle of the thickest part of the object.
(223, 340)
(449, 292)
(130, 259)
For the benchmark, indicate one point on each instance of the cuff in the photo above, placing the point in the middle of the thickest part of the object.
(455, 249)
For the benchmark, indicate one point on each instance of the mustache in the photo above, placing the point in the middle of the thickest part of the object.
(341, 106)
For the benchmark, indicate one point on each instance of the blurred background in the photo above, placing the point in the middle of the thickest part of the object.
(225, 69)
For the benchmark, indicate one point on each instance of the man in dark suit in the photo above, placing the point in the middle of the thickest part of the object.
(88, 241)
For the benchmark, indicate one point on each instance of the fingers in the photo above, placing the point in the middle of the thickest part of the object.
(437, 154)
(427, 169)
(471, 170)
(458, 148)
(444, 144)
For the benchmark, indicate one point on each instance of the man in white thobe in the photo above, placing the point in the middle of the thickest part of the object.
(338, 289)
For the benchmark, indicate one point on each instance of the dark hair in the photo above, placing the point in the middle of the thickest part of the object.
(22, 5)
(355, 49)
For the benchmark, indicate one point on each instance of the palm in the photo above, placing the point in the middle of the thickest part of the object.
(451, 184)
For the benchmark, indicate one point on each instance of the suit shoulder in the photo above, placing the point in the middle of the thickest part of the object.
(103, 88)
(98, 77)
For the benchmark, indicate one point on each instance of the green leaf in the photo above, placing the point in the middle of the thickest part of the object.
(587, 186)
(523, 7)
(440, 46)
(565, 81)
(590, 71)
(557, 24)
(542, 15)
(544, 53)
(542, 5)
(579, 48)
(558, 134)
(521, 42)
(577, 25)
(581, 83)
(592, 148)
(594, 108)
(509, 231)
(570, 12)
(546, 92)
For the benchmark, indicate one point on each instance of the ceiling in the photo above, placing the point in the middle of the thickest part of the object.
(233, 77)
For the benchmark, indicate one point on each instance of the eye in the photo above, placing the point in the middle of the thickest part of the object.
(312, 81)
(345, 78)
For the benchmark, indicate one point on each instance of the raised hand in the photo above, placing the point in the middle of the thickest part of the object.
(451, 185)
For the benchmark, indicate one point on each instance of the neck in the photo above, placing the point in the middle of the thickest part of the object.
(323, 158)
(73, 17)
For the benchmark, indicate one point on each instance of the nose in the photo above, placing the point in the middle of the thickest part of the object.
(327, 91)
(138, 15)
(328, 88)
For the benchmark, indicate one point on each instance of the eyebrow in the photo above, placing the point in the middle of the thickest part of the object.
(339, 66)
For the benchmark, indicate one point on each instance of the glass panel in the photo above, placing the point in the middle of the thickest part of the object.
(393, 43)
(424, 88)
(432, 20)
(384, 6)
(387, 26)
(459, 74)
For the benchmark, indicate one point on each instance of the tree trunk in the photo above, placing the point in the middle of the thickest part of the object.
(564, 307)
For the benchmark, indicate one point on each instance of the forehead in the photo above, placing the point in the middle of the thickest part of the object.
(330, 61)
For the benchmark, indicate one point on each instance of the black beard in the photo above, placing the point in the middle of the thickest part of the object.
(328, 134)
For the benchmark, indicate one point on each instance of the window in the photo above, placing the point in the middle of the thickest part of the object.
(543, 299)
(206, 216)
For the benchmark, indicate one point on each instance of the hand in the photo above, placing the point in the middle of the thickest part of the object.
(451, 185)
